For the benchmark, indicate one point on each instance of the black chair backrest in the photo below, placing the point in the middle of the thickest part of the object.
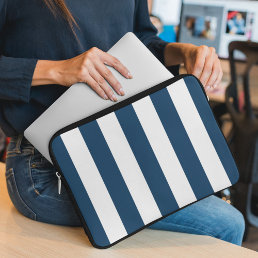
(250, 49)
(245, 123)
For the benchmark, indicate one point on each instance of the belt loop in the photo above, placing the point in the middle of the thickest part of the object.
(18, 144)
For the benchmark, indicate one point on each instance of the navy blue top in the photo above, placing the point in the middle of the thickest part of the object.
(29, 31)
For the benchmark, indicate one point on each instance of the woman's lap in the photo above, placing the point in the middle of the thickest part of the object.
(210, 216)
(32, 186)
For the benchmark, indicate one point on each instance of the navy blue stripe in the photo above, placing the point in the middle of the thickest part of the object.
(212, 128)
(181, 144)
(146, 159)
(112, 177)
(81, 196)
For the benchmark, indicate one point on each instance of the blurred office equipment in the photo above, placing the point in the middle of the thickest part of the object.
(216, 23)
(244, 138)
(168, 11)
(169, 14)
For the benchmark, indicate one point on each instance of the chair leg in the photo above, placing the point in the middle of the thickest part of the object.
(239, 201)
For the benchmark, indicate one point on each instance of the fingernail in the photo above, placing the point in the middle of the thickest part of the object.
(121, 91)
(105, 97)
(215, 85)
(113, 98)
(129, 75)
(208, 87)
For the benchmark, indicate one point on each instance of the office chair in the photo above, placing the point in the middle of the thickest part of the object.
(244, 137)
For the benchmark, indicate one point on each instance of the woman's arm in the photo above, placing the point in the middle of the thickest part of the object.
(15, 73)
(88, 67)
(203, 62)
(15, 78)
(146, 32)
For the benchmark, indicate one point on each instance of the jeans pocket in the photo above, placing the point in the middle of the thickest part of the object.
(43, 174)
(15, 196)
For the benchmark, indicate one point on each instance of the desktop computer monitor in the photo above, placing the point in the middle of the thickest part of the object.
(216, 23)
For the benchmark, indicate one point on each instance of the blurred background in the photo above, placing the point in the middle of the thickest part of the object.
(231, 27)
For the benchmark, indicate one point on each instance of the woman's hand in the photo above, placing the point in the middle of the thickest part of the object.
(88, 67)
(203, 62)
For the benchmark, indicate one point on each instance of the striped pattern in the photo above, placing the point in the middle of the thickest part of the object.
(144, 161)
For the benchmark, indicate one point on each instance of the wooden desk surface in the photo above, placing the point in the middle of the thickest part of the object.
(22, 237)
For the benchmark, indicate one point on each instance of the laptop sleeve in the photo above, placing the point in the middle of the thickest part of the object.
(142, 159)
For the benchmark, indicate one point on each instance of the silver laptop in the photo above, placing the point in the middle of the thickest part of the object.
(80, 101)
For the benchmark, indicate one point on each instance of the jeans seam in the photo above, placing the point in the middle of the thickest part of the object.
(19, 196)
(32, 182)
(18, 144)
(55, 199)
(11, 156)
(14, 153)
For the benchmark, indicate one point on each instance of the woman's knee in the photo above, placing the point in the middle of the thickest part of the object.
(236, 228)
(231, 224)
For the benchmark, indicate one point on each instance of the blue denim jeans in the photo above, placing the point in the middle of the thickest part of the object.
(33, 188)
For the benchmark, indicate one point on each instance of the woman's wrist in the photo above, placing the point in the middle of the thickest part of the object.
(46, 72)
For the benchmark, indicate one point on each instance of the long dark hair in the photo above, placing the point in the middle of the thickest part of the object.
(60, 7)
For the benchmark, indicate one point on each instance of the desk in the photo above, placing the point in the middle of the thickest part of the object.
(22, 237)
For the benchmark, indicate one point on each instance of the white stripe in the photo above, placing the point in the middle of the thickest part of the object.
(199, 136)
(94, 185)
(129, 168)
(164, 152)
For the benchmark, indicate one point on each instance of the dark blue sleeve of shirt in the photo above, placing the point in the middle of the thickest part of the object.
(15, 73)
(146, 32)
(15, 78)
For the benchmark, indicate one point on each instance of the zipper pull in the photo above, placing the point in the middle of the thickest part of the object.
(59, 184)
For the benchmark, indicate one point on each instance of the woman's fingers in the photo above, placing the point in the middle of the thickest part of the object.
(215, 75)
(102, 83)
(208, 67)
(95, 86)
(89, 68)
(218, 80)
(200, 61)
(115, 63)
(107, 75)
(203, 62)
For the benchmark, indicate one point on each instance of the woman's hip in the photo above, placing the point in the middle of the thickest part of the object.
(33, 186)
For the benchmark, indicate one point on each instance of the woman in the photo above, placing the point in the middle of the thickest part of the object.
(46, 46)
